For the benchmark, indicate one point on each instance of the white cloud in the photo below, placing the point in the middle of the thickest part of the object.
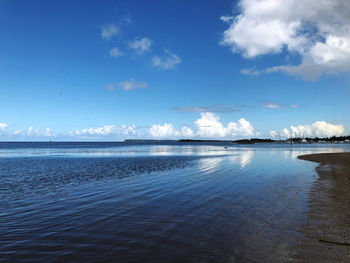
(120, 132)
(3, 126)
(317, 30)
(100, 131)
(273, 134)
(272, 105)
(17, 132)
(115, 52)
(317, 129)
(209, 126)
(141, 45)
(127, 131)
(168, 131)
(250, 71)
(32, 132)
(186, 132)
(168, 62)
(109, 30)
(275, 105)
(130, 85)
(211, 108)
(165, 130)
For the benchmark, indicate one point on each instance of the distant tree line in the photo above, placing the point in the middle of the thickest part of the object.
(317, 139)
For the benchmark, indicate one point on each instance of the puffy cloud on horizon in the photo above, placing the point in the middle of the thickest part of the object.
(3, 126)
(101, 131)
(37, 132)
(168, 131)
(209, 126)
(25, 133)
(168, 62)
(128, 130)
(32, 132)
(141, 45)
(109, 30)
(319, 31)
(106, 131)
(317, 129)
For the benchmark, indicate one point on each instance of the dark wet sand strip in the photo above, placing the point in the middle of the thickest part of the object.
(327, 229)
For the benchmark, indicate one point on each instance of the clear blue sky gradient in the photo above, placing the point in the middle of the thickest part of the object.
(55, 68)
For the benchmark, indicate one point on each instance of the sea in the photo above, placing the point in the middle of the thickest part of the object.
(153, 202)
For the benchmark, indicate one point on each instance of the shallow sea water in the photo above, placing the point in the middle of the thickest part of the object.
(153, 203)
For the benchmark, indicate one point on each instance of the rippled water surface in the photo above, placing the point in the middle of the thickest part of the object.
(115, 202)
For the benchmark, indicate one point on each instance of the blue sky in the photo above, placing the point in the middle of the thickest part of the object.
(110, 70)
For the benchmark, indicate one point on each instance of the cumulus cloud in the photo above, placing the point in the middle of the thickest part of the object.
(115, 52)
(17, 132)
(319, 31)
(209, 126)
(109, 30)
(33, 132)
(317, 129)
(168, 62)
(131, 84)
(127, 131)
(141, 45)
(168, 131)
(165, 130)
(104, 131)
(3, 126)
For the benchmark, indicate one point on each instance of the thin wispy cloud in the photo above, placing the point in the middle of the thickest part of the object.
(132, 84)
(111, 87)
(170, 61)
(275, 105)
(222, 108)
(115, 52)
(250, 71)
(140, 45)
(109, 30)
(321, 36)
(211, 108)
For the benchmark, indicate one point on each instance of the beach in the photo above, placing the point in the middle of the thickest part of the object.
(327, 228)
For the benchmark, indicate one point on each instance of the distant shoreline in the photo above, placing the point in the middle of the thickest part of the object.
(243, 141)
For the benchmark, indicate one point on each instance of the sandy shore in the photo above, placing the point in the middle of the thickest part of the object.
(327, 229)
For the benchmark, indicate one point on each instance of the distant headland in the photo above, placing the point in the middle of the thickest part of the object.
(333, 139)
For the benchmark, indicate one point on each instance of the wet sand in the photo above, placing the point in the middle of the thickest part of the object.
(327, 228)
